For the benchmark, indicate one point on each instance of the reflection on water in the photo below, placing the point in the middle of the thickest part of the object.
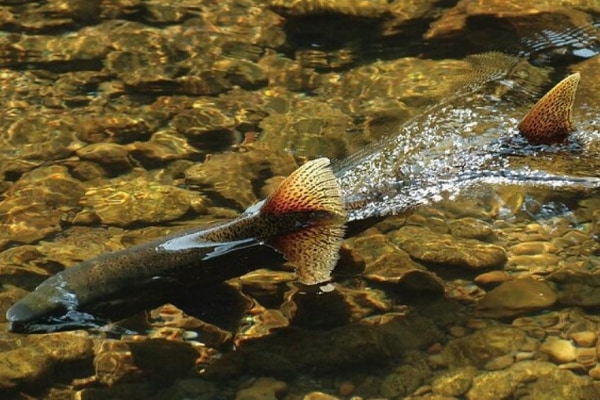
(125, 121)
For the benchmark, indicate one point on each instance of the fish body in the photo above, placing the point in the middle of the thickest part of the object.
(303, 220)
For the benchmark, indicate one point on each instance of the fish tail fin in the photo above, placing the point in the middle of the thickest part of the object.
(313, 249)
(549, 120)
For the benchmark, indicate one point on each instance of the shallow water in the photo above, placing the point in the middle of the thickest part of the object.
(127, 121)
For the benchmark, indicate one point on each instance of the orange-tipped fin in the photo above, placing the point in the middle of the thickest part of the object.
(312, 249)
(549, 120)
(310, 188)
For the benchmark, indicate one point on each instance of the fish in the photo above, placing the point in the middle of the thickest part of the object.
(433, 155)
(303, 220)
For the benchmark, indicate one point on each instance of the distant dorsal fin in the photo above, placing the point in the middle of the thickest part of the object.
(549, 120)
(314, 249)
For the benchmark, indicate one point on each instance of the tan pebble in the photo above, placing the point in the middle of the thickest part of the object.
(523, 321)
(477, 323)
(263, 388)
(530, 345)
(423, 390)
(595, 372)
(587, 357)
(499, 363)
(435, 348)
(531, 248)
(319, 396)
(346, 388)
(575, 237)
(585, 338)
(524, 355)
(573, 366)
(458, 331)
(492, 277)
(436, 361)
(559, 350)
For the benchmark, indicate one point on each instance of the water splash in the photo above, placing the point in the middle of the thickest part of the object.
(465, 142)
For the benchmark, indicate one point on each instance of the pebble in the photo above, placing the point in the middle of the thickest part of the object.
(458, 331)
(532, 248)
(346, 388)
(499, 363)
(595, 372)
(455, 382)
(492, 277)
(435, 348)
(524, 355)
(585, 338)
(263, 388)
(319, 396)
(560, 350)
(516, 297)
(586, 356)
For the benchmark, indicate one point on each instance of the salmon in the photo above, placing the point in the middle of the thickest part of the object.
(303, 219)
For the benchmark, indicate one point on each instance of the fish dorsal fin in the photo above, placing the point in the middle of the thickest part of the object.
(549, 120)
(313, 249)
(310, 188)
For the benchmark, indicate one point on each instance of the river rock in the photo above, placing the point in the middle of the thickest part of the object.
(584, 338)
(559, 350)
(263, 389)
(425, 245)
(403, 381)
(36, 204)
(484, 345)
(36, 358)
(455, 382)
(516, 297)
(128, 200)
(319, 396)
(471, 228)
(539, 379)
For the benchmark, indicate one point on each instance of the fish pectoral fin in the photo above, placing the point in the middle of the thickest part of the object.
(313, 250)
(549, 120)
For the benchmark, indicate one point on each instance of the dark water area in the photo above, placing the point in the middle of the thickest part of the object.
(470, 267)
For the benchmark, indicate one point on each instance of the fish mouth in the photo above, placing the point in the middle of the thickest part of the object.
(65, 321)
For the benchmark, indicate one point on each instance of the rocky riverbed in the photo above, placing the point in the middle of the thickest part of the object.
(125, 120)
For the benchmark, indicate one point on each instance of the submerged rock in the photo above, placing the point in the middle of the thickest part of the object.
(31, 362)
(428, 246)
(139, 200)
(263, 388)
(455, 382)
(538, 379)
(36, 205)
(516, 297)
(484, 345)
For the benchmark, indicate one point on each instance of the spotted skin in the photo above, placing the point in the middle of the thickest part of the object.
(549, 120)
